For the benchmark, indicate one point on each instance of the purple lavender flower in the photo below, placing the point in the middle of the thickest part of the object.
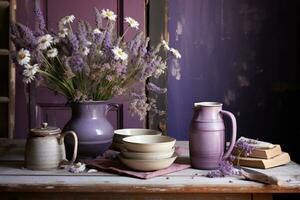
(82, 34)
(98, 18)
(107, 40)
(40, 20)
(156, 89)
(93, 50)
(27, 36)
(74, 43)
(242, 147)
(143, 49)
(76, 63)
(137, 96)
(99, 38)
(225, 169)
(121, 69)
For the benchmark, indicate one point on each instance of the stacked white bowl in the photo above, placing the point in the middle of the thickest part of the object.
(119, 134)
(148, 152)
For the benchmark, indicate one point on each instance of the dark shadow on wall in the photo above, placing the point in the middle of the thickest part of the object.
(244, 54)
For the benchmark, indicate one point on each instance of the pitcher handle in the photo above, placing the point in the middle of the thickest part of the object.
(119, 109)
(234, 129)
(61, 141)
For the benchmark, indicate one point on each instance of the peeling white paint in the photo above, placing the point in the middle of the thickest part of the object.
(243, 81)
(230, 97)
(176, 69)
(179, 27)
(179, 30)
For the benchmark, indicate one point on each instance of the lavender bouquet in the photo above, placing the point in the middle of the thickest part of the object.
(92, 63)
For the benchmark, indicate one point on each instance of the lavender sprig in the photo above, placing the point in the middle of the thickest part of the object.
(243, 148)
(40, 20)
(225, 168)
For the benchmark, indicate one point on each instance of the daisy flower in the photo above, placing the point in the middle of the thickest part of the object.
(67, 19)
(165, 45)
(100, 52)
(63, 32)
(176, 53)
(88, 43)
(119, 53)
(84, 50)
(97, 31)
(23, 57)
(45, 41)
(29, 72)
(132, 23)
(52, 53)
(108, 14)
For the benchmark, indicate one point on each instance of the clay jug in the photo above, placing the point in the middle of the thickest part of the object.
(45, 149)
(207, 135)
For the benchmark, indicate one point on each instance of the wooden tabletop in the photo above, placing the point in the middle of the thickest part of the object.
(14, 178)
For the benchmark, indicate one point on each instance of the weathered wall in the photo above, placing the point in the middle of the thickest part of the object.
(244, 53)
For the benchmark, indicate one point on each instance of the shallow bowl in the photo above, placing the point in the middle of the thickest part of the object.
(147, 165)
(149, 143)
(147, 156)
(119, 134)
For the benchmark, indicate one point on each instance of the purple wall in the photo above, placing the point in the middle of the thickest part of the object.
(244, 54)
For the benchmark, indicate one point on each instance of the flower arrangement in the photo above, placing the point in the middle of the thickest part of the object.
(92, 64)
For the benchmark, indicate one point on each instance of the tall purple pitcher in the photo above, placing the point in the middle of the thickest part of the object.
(207, 135)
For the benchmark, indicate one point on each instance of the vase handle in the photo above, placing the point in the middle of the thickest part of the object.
(233, 136)
(119, 108)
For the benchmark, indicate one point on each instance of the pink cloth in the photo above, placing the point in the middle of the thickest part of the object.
(108, 162)
(115, 166)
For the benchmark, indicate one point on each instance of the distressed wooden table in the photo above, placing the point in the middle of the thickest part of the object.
(19, 183)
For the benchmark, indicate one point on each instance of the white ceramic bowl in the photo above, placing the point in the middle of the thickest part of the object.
(147, 156)
(149, 143)
(122, 133)
(147, 165)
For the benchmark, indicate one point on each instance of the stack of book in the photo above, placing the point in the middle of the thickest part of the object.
(265, 157)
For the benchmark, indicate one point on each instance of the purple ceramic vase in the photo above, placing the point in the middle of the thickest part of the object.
(93, 130)
(207, 135)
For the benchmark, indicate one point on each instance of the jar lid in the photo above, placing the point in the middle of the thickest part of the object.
(45, 130)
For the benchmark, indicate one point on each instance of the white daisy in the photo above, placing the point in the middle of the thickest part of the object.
(132, 23)
(165, 45)
(77, 168)
(176, 53)
(67, 19)
(29, 72)
(52, 53)
(84, 50)
(119, 53)
(100, 52)
(109, 14)
(63, 32)
(23, 57)
(97, 31)
(45, 41)
(88, 43)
